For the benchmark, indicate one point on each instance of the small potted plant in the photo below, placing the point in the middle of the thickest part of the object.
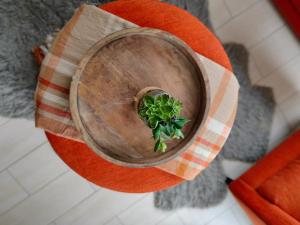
(161, 113)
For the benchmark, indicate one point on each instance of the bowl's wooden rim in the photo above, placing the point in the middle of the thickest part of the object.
(184, 48)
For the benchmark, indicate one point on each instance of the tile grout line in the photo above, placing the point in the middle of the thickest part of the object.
(220, 214)
(92, 185)
(19, 159)
(120, 221)
(64, 213)
(94, 192)
(6, 211)
(52, 223)
(181, 218)
(215, 28)
(17, 181)
(50, 181)
(132, 204)
(235, 216)
(258, 42)
(36, 148)
(47, 183)
(278, 68)
(290, 126)
(27, 194)
(2, 124)
(241, 12)
(285, 119)
(166, 217)
(250, 47)
(176, 212)
(115, 217)
(251, 58)
(228, 9)
(282, 101)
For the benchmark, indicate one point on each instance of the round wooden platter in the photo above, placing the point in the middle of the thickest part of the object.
(110, 75)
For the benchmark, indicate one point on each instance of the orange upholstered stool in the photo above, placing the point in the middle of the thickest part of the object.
(146, 13)
(271, 188)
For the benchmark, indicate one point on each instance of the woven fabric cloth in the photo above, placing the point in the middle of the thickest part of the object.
(90, 24)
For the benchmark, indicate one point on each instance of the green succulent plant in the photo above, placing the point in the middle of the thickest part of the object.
(162, 115)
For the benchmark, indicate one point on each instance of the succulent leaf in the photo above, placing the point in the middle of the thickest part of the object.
(162, 115)
(180, 122)
(157, 145)
(179, 134)
(148, 100)
(162, 147)
(156, 133)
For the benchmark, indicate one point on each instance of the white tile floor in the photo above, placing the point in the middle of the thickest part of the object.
(36, 187)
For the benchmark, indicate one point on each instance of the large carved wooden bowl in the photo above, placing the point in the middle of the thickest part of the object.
(110, 75)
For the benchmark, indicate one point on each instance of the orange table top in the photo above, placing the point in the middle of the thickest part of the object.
(145, 13)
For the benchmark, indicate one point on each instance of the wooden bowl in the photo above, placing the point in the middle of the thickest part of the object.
(111, 74)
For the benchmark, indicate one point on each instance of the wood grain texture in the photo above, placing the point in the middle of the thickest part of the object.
(113, 71)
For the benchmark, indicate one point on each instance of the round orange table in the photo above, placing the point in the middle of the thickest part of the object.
(145, 13)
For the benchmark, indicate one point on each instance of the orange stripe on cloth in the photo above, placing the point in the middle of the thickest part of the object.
(203, 141)
(175, 163)
(220, 141)
(53, 86)
(220, 94)
(45, 89)
(53, 110)
(193, 168)
(229, 123)
(64, 34)
(189, 156)
(183, 167)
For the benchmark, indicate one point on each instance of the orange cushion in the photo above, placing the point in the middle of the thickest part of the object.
(283, 189)
(271, 187)
(146, 13)
(272, 163)
(269, 213)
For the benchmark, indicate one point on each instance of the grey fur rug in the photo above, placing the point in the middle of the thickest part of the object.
(24, 24)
